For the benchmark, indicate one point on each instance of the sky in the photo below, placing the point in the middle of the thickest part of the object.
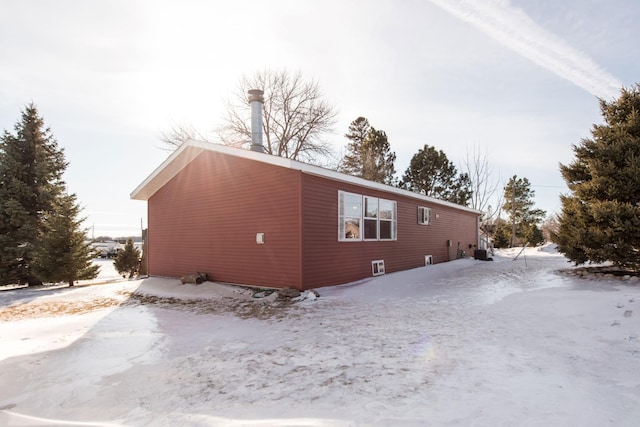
(518, 80)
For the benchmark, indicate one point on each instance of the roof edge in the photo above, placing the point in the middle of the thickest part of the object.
(191, 148)
(169, 168)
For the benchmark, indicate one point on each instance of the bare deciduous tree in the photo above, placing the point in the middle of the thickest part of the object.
(179, 133)
(294, 116)
(484, 184)
(485, 197)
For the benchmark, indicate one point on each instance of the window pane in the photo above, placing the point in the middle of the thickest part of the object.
(424, 215)
(370, 229)
(371, 207)
(352, 228)
(352, 205)
(385, 230)
(387, 209)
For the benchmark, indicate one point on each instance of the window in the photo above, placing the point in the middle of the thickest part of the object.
(387, 220)
(365, 218)
(350, 213)
(370, 218)
(424, 215)
(377, 267)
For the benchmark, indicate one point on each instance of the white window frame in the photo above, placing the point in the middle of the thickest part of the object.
(343, 216)
(424, 215)
(375, 217)
(377, 267)
(393, 220)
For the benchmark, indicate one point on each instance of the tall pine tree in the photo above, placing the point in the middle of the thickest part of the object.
(523, 218)
(369, 153)
(63, 253)
(39, 229)
(31, 168)
(432, 174)
(600, 219)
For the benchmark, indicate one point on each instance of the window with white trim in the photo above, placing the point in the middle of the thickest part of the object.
(350, 216)
(365, 218)
(370, 218)
(388, 221)
(377, 267)
(424, 215)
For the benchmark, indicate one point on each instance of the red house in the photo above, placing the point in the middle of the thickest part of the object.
(252, 218)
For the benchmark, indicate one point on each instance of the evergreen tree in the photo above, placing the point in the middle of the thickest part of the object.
(31, 168)
(357, 134)
(533, 234)
(600, 218)
(519, 203)
(501, 234)
(432, 174)
(128, 260)
(62, 253)
(369, 153)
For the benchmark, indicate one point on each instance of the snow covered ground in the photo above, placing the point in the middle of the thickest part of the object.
(468, 343)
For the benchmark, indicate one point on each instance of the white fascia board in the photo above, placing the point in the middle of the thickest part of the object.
(177, 161)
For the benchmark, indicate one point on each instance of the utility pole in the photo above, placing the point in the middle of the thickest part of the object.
(513, 211)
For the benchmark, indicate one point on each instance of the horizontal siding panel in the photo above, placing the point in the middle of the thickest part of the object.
(206, 219)
(207, 216)
(326, 261)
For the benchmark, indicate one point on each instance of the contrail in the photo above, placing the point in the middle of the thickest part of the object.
(513, 28)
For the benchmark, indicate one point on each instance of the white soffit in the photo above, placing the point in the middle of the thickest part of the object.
(166, 171)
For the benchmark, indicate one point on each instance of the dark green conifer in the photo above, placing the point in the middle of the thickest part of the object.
(600, 219)
(31, 168)
(432, 174)
(128, 260)
(63, 253)
(523, 218)
(369, 153)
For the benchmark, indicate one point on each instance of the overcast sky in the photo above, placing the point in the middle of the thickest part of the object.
(520, 79)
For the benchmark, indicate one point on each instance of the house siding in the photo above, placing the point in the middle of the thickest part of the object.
(206, 219)
(327, 261)
(204, 215)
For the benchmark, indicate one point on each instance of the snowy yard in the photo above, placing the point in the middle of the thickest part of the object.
(468, 343)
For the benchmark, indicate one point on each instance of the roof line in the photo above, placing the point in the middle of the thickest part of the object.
(191, 148)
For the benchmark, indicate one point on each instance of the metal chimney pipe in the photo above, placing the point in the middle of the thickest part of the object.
(255, 100)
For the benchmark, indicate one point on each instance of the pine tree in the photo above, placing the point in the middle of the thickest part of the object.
(600, 218)
(501, 234)
(31, 168)
(357, 134)
(62, 253)
(128, 260)
(519, 204)
(369, 153)
(432, 174)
